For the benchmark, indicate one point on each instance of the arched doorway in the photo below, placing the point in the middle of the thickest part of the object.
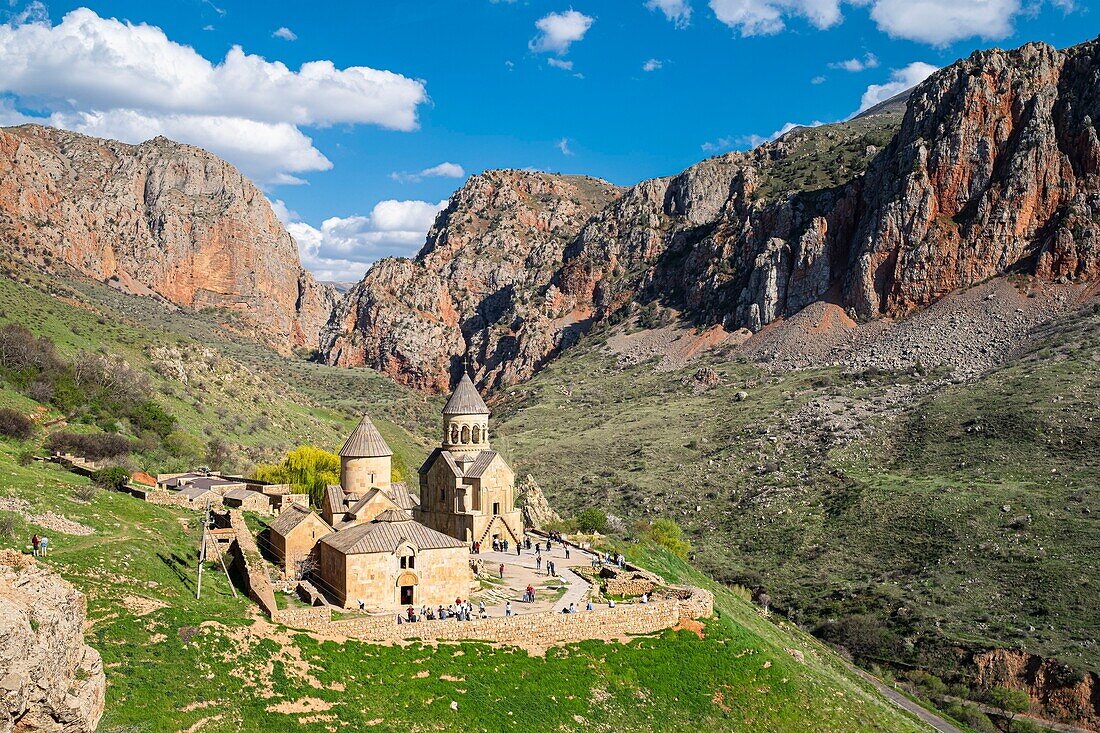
(406, 588)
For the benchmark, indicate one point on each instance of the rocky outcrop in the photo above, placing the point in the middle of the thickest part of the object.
(993, 167)
(1057, 691)
(160, 219)
(50, 680)
(473, 288)
(537, 512)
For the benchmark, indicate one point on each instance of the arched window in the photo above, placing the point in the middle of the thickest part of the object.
(477, 434)
(465, 434)
(407, 558)
(454, 434)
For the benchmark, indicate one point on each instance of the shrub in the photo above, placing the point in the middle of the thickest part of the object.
(864, 636)
(14, 424)
(1009, 701)
(85, 492)
(667, 534)
(148, 415)
(592, 520)
(94, 447)
(972, 716)
(182, 444)
(115, 477)
(26, 457)
(7, 525)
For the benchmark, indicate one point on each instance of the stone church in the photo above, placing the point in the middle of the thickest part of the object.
(377, 545)
(467, 490)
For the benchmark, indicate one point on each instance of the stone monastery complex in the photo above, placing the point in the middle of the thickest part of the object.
(376, 546)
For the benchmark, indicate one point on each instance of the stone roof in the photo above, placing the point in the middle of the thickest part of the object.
(365, 442)
(480, 464)
(241, 494)
(473, 469)
(335, 499)
(387, 536)
(289, 518)
(368, 497)
(465, 400)
(402, 497)
(393, 515)
(193, 492)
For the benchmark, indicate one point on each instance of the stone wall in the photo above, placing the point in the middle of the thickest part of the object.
(533, 631)
(161, 497)
(303, 617)
(254, 570)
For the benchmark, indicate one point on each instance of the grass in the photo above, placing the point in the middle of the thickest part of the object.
(969, 520)
(177, 661)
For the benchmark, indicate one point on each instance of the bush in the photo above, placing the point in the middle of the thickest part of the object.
(115, 477)
(7, 525)
(864, 636)
(148, 415)
(85, 492)
(592, 520)
(14, 424)
(667, 534)
(970, 715)
(92, 447)
(26, 457)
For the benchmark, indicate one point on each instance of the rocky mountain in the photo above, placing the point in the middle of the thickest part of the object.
(50, 679)
(991, 169)
(160, 218)
(476, 287)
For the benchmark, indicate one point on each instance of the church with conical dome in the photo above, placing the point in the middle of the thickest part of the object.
(467, 490)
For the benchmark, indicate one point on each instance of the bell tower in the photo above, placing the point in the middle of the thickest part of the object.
(465, 420)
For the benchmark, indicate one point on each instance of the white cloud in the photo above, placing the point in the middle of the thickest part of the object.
(747, 142)
(940, 22)
(443, 170)
(563, 146)
(558, 31)
(560, 63)
(766, 17)
(282, 212)
(652, 65)
(344, 247)
(106, 77)
(286, 34)
(900, 80)
(869, 61)
(818, 80)
(678, 12)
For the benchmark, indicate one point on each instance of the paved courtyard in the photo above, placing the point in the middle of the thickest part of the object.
(520, 571)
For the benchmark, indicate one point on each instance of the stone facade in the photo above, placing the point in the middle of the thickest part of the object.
(467, 490)
(377, 578)
(294, 545)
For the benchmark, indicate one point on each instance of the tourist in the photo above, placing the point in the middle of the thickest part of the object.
(538, 563)
(34, 544)
(610, 602)
(508, 608)
(527, 542)
(362, 605)
(481, 608)
(410, 615)
(529, 594)
(645, 598)
(588, 605)
(400, 620)
(566, 551)
(548, 545)
(572, 608)
(519, 549)
(506, 545)
(43, 545)
(538, 549)
(620, 560)
(502, 571)
(441, 613)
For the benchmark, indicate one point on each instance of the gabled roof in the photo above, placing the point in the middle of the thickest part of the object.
(334, 499)
(387, 536)
(402, 497)
(193, 492)
(369, 497)
(365, 442)
(393, 515)
(289, 518)
(241, 494)
(465, 400)
(480, 464)
(446, 455)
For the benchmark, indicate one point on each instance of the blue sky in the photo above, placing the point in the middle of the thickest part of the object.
(358, 161)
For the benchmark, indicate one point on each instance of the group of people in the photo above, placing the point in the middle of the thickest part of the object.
(40, 546)
(551, 567)
(499, 545)
(460, 610)
(606, 558)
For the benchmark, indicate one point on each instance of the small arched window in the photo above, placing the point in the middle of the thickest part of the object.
(465, 434)
(454, 434)
(477, 434)
(407, 558)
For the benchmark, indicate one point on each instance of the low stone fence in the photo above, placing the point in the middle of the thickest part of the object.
(533, 631)
(303, 617)
(161, 497)
(246, 552)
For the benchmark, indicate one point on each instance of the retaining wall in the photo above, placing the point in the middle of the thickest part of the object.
(254, 572)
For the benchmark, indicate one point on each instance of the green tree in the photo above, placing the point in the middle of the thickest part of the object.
(114, 477)
(592, 520)
(307, 468)
(667, 534)
(1009, 702)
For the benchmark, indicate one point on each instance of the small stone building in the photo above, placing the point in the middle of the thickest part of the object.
(393, 561)
(293, 535)
(198, 495)
(467, 490)
(251, 501)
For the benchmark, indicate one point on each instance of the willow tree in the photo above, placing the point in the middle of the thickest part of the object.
(307, 468)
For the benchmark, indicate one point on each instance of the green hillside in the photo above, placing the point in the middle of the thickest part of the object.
(970, 518)
(173, 661)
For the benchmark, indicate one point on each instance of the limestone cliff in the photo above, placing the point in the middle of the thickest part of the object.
(157, 218)
(50, 680)
(1057, 691)
(992, 168)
